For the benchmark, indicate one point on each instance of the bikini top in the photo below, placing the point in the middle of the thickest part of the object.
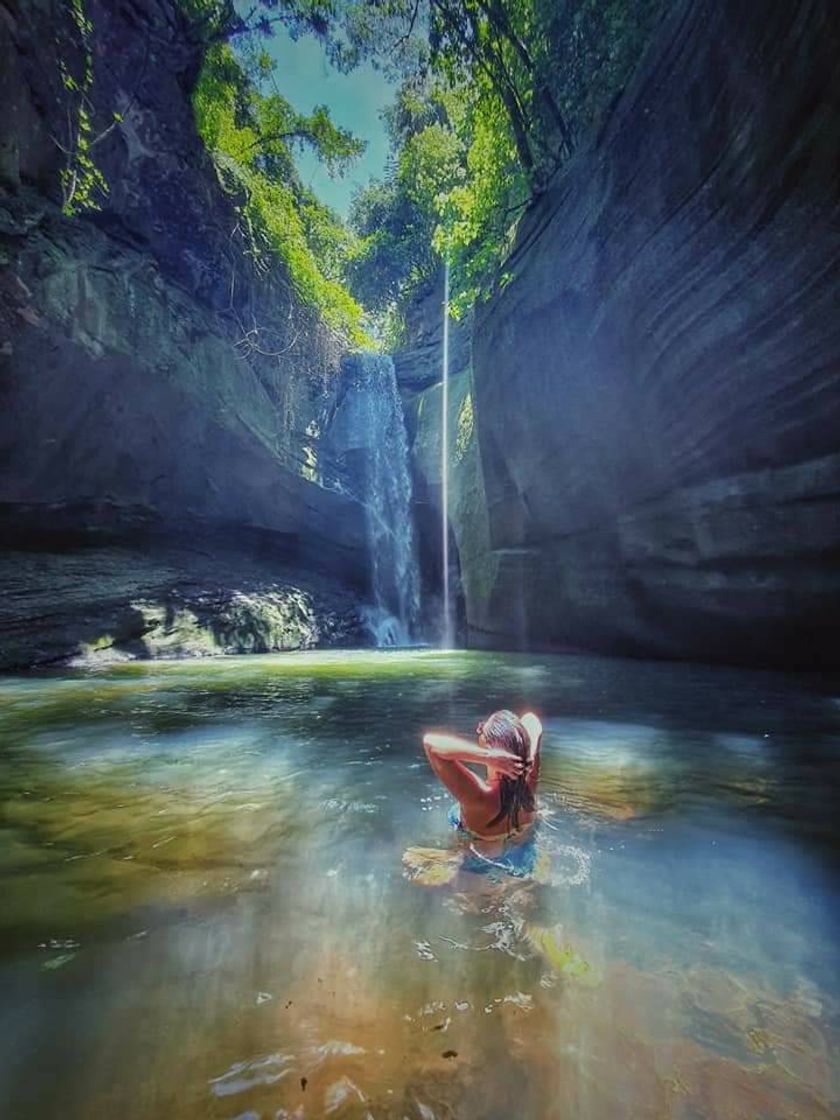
(455, 820)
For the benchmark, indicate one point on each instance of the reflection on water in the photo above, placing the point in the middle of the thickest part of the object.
(230, 890)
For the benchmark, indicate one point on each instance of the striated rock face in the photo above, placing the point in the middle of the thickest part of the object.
(178, 599)
(150, 375)
(121, 392)
(657, 391)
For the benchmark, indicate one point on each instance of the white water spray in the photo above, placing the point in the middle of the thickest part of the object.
(447, 639)
(372, 426)
(396, 582)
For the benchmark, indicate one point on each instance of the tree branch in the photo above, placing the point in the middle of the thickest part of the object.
(403, 39)
(292, 134)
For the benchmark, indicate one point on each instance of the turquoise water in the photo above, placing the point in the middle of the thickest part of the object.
(229, 890)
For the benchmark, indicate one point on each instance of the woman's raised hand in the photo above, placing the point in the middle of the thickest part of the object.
(508, 764)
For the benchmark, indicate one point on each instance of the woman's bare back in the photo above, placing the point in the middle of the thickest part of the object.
(481, 799)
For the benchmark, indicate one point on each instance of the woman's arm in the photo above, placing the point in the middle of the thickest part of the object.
(448, 753)
(534, 727)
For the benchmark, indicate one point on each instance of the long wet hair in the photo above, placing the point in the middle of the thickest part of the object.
(506, 730)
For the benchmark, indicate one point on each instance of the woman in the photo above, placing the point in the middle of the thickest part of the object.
(500, 807)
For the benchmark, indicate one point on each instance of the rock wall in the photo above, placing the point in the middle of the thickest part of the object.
(152, 378)
(188, 598)
(419, 362)
(473, 563)
(419, 369)
(657, 398)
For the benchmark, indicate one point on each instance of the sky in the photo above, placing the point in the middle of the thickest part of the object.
(305, 77)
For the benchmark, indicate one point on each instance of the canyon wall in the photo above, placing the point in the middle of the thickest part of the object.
(419, 370)
(159, 388)
(656, 390)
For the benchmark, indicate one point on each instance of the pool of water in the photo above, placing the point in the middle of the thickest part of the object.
(229, 890)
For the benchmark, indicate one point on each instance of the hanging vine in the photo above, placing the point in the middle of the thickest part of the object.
(82, 183)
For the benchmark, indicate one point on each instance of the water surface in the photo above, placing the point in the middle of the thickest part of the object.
(216, 901)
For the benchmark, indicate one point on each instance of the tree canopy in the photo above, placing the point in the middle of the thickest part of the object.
(495, 96)
(492, 97)
(252, 137)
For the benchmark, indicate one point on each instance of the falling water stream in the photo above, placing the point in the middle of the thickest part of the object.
(372, 425)
(447, 637)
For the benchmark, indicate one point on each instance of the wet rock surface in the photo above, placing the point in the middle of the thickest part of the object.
(123, 602)
(473, 563)
(419, 362)
(656, 389)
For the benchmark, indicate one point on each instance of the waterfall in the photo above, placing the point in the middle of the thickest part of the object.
(375, 419)
(446, 630)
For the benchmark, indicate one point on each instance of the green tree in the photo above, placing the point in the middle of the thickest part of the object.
(208, 22)
(455, 186)
(517, 84)
(395, 219)
(252, 138)
(495, 96)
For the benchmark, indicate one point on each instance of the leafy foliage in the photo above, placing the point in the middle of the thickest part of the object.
(396, 219)
(592, 47)
(82, 183)
(252, 138)
(465, 429)
(454, 181)
(513, 86)
(495, 95)
(220, 21)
